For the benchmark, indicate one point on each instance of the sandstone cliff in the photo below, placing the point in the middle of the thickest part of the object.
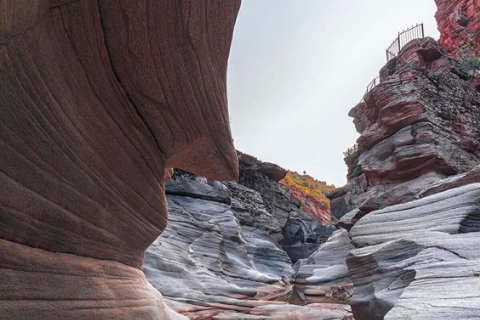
(419, 125)
(98, 99)
(412, 202)
(312, 195)
(459, 26)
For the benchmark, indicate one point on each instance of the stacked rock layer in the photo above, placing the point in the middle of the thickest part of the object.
(412, 210)
(228, 248)
(98, 99)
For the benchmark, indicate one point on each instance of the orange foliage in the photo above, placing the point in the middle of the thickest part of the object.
(311, 193)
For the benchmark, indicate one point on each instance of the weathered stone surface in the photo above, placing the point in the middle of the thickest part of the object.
(224, 253)
(412, 201)
(205, 257)
(97, 99)
(282, 312)
(459, 25)
(271, 170)
(459, 180)
(418, 126)
(419, 260)
(302, 233)
(186, 184)
(324, 274)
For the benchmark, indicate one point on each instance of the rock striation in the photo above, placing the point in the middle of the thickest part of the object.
(459, 26)
(302, 229)
(419, 260)
(99, 99)
(410, 212)
(419, 125)
(323, 277)
(217, 252)
(411, 206)
(228, 248)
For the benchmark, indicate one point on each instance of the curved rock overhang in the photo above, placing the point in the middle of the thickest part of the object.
(98, 99)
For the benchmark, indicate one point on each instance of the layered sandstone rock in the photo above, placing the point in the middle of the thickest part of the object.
(459, 25)
(323, 277)
(312, 195)
(419, 260)
(419, 125)
(303, 231)
(411, 207)
(227, 250)
(217, 253)
(412, 202)
(98, 98)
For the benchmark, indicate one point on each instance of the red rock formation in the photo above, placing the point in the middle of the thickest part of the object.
(98, 98)
(419, 125)
(412, 202)
(311, 194)
(459, 25)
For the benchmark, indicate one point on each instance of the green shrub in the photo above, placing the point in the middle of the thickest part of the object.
(357, 171)
(471, 62)
(351, 155)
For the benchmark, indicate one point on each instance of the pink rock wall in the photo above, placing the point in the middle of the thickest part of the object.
(98, 99)
(459, 25)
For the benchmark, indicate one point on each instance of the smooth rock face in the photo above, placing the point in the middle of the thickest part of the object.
(324, 274)
(96, 104)
(419, 260)
(223, 252)
(459, 26)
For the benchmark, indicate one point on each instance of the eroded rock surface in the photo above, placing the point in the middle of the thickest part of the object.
(420, 125)
(412, 202)
(226, 252)
(459, 26)
(419, 260)
(97, 99)
(302, 231)
(324, 277)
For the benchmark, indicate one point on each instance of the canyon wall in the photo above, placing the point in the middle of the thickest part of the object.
(412, 203)
(99, 99)
(228, 248)
(419, 125)
(459, 25)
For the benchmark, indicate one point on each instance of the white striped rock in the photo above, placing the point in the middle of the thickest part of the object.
(419, 260)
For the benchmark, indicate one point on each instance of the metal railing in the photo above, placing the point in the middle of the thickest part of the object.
(404, 37)
(370, 86)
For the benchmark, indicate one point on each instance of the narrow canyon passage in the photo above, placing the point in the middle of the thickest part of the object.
(100, 100)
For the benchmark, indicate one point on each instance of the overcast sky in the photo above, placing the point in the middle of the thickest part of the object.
(298, 66)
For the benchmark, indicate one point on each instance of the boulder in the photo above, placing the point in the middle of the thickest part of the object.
(323, 277)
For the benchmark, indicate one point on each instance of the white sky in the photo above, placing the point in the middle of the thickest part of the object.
(298, 66)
